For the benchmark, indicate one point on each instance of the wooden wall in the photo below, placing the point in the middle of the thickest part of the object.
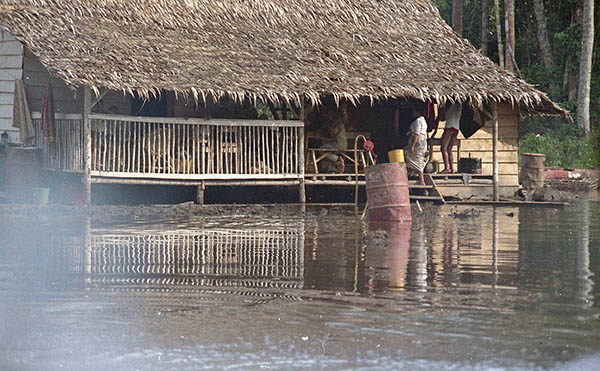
(480, 146)
(11, 68)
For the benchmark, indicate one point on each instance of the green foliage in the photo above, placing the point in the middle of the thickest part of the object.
(567, 43)
(444, 6)
(564, 147)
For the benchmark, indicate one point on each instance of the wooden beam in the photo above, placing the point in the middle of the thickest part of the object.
(509, 203)
(495, 151)
(87, 145)
(200, 121)
(99, 99)
(248, 183)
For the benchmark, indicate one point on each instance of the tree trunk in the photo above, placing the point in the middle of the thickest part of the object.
(573, 82)
(585, 67)
(457, 16)
(484, 26)
(572, 78)
(542, 33)
(509, 22)
(499, 32)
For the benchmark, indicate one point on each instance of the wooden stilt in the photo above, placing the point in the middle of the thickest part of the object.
(302, 192)
(495, 151)
(87, 145)
(200, 194)
(301, 161)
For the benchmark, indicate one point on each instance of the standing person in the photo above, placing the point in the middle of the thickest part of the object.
(449, 137)
(417, 143)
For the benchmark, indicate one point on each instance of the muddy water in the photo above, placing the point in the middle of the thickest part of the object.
(285, 288)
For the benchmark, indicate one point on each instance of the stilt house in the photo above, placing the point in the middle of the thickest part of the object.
(199, 92)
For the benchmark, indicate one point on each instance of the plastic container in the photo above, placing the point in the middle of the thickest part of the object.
(396, 155)
(431, 167)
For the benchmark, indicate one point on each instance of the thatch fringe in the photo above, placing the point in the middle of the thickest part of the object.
(273, 50)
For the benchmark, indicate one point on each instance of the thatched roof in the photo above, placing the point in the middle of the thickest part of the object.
(266, 49)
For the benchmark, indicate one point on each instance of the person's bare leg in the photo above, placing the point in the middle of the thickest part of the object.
(421, 178)
(446, 136)
(450, 155)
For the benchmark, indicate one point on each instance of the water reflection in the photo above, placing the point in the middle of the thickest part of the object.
(515, 285)
(391, 259)
(496, 248)
(584, 274)
(472, 250)
(558, 259)
(217, 257)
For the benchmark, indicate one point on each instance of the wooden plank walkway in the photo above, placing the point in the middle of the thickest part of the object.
(508, 203)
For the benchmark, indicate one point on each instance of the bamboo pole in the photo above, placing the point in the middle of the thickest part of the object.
(104, 144)
(495, 150)
(300, 158)
(87, 157)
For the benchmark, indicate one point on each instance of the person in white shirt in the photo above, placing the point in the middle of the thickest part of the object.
(449, 137)
(416, 149)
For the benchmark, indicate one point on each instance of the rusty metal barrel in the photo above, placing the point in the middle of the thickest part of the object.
(531, 175)
(387, 192)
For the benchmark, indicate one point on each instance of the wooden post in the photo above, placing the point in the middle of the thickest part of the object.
(302, 187)
(495, 247)
(200, 193)
(495, 150)
(87, 145)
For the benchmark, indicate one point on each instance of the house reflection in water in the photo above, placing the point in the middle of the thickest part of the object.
(481, 250)
(217, 257)
(498, 249)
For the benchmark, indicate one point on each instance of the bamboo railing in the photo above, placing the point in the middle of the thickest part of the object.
(64, 152)
(176, 148)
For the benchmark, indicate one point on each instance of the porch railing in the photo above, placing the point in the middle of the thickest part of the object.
(177, 148)
(64, 152)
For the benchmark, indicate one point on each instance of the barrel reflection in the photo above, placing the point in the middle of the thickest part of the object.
(389, 263)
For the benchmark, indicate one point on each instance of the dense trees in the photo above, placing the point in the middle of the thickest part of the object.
(548, 41)
(555, 48)
(542, 33)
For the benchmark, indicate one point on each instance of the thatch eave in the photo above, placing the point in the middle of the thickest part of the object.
(275, 51)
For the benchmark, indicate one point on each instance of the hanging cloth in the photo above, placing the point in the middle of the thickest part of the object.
(48, 123)
(468, 126)
(432, 118)
(21, 114)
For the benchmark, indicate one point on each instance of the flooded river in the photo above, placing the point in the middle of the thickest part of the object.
(255, 288)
